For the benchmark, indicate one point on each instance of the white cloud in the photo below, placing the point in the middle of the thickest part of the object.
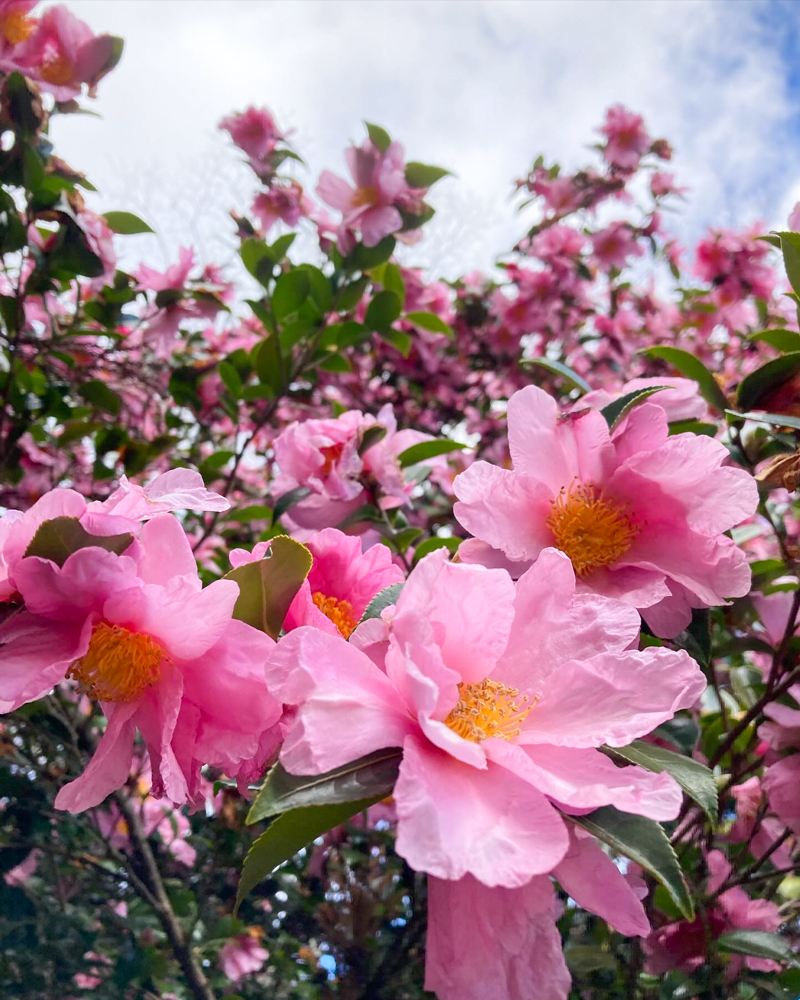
(480, 86)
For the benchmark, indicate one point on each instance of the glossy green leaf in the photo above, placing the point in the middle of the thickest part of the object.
(379, 136)
(126, 223)
(693, 427)
(559, 368)
(617, 409)
(694, 778)
(287, 500)
(369, 776)
(690, 366)
(268, 362)
(371, 436)
(101, 395)
(783, 340)
(58, 538)
(421, 175)
(643, 841)
(365, 258)
(431, 544)
(230, 378)
(267, 587)
(775, 419)
(431, 322)
(424, 450)
(287, 835)
(291, 291)
(765, 379)
(399, 339)
(790, 248)
(382, 600)
(760, 944)
(383, 310)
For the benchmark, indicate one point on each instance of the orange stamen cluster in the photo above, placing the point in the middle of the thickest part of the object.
(590, 529)
(488, 709)
(339, 612)
(17, 26)
(331, 454)
(365, 196)
(119, 665)
(57, 70)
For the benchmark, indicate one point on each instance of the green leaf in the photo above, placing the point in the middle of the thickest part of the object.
(558, 368)
(420, 175)
(790, 248)
(255, 512)
(690, 366)
(373, 775)
(643, 841)
(379, 136)
(349, 296)
(693, 427)
(383, 310)
(399, 339)
(335, 363)
(268, 363)
(761, 944)
(406, 537)
(288, 834)
(776, 419)
(696, 639)
(291, 291)
(231, 379)
(258, 259)
(365, 258)
(425, 450)
(392, 280)
(280, 247)
(287, 500)
(126, 223)
(100, 395)
(766, 378)
(371, 436)
(619, 408)
(431, 322)
(694, 778)
(782, 340)
(382, 600)
(320, 291)
(267, 587)
(58, 538)
(431, 544)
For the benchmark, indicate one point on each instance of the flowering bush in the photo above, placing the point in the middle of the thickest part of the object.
(368, 634)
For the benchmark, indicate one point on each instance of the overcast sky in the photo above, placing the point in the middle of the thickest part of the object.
(478, 86)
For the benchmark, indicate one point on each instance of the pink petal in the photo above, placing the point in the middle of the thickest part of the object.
(109, 767)
(334, 191)
(613, 698)
(596, 884)
(86, 580)
(167, 552)
(56, 503)
(479, 553)
(551, 626)
(188, 622)
(156, 718)
(507, 510)
(644, 429)
(378, 223)
(35, 655)
(455, 820)
(493, 943)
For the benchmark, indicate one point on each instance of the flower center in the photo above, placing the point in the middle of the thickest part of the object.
(17, 27)
(590, 529)
(56, 69)
(487, 709)
(119, 665)
(331, 454)
(340, 612)
(365, 196)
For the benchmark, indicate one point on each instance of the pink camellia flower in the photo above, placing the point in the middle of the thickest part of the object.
(684, 945)
(15, 27)
(159, 653)
(627, 138)
(340, 584)
(255, 132)
(499, 695)
(681, 401)
(614, 245)
(19, 874)
(323, 456)
(793, 222)
(370, 206)
(663, 183)
(62, 53)
(640, 514)
(243, 955)
(286, 202)
(749, 797)
(178, 489)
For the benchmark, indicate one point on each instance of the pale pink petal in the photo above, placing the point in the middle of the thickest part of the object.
(613, 698)
(551, 626)
(109, 767)
(167, 552)
(774, 610)
(781, 785)
(35, 655)
(639, 588)
(378, 223)
(156, 717)
(88, 578)
(493, 943)
(335, 191)
(478, 553)
(507, 510)
(188, 622)
(644, 429)
(454, 820)
(595, 883)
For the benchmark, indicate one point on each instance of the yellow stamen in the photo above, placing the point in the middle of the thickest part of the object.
(340, 612)
(590, 529)
(488, 709)
(57, 70)
(365, 196)
(119, 665)
(17, 27)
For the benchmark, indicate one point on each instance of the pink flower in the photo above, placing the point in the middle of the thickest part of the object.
(62, 53)
(684, 945)
(178, 489)
(749, 797)
(370, 206)
(781, 788)
(640, 513)
(662, 183)
(682, 401)
(323, 456)
(243, 955)
(793, 221)
(15, 27)
(341, 583)
(286, 202)
(499, 695)
(159, 653)
(614, 245)
(23, 871)
(255, 132)
(174, 277)
(627, 138)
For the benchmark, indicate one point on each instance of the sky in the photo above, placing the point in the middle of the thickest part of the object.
(478, 86)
